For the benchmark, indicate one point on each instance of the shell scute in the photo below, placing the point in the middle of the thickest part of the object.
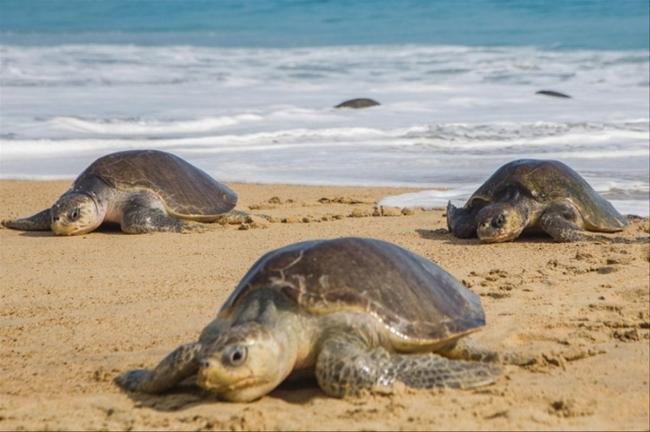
(410, 295)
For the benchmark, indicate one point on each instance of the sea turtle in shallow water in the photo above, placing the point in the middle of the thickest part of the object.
(358, 103)
(362, 314)
(142, 190)
(553, 93)
(534, 194)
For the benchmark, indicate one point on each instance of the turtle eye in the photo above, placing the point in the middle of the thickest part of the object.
(74, 214)
(498, 221)
(235, 355)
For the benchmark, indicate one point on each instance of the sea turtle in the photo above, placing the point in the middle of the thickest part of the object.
(553, 93)
(142, 190)
(358, 103)
(362, 314)
(532, 194)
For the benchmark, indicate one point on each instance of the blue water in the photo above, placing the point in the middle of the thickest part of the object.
(557, 24)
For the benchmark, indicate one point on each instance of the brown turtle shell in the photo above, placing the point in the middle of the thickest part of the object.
(548, 181)
(419, 303)
(186, 190)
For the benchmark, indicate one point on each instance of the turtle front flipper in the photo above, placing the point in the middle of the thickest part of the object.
(560, 221)
(41, 221)
(460, 221)
(146, 220)
(143, 213)
(347, 367)
(178, 365)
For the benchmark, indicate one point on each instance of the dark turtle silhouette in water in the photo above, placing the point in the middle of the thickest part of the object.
(358, 103)
(533, 194)
(362, 314)
(142, 190)
(553, 93)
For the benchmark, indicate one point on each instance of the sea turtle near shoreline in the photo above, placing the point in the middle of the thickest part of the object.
(362, 314)
(142, 190)
(531, 194)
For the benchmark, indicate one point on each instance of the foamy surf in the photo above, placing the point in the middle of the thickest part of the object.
(439, 198)
(146, 127)
(449, 115)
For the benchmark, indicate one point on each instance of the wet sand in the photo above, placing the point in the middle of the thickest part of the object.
(78, 311)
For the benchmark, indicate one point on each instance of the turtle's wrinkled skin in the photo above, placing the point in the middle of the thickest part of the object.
(142, 190)
(531, 194)
(361, 314)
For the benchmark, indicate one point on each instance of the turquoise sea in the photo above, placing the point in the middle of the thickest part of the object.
(556, 24)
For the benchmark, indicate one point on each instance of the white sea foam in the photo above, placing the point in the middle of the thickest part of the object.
(147, 127)
(439, 198)
(449, 116)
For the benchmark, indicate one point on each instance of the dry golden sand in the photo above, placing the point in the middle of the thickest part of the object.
(77, 311)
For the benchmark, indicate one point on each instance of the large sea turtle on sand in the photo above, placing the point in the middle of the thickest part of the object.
(142, 190)
(531, 194)
(362, 314)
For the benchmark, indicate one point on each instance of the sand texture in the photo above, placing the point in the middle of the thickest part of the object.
(77, 311)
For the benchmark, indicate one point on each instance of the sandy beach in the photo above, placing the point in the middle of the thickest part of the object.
(78, 311)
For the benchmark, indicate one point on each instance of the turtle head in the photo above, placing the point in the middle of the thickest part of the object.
(244, 363)
(499, 223)
(76, 213)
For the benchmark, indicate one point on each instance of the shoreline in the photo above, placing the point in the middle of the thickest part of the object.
(398, 196)
(78, 311)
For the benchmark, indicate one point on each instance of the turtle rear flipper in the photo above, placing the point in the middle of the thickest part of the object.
(234, 217)
(41, 221)
(347, 367)
(467, 349)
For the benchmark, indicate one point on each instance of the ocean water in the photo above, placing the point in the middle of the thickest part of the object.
(245, 90)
